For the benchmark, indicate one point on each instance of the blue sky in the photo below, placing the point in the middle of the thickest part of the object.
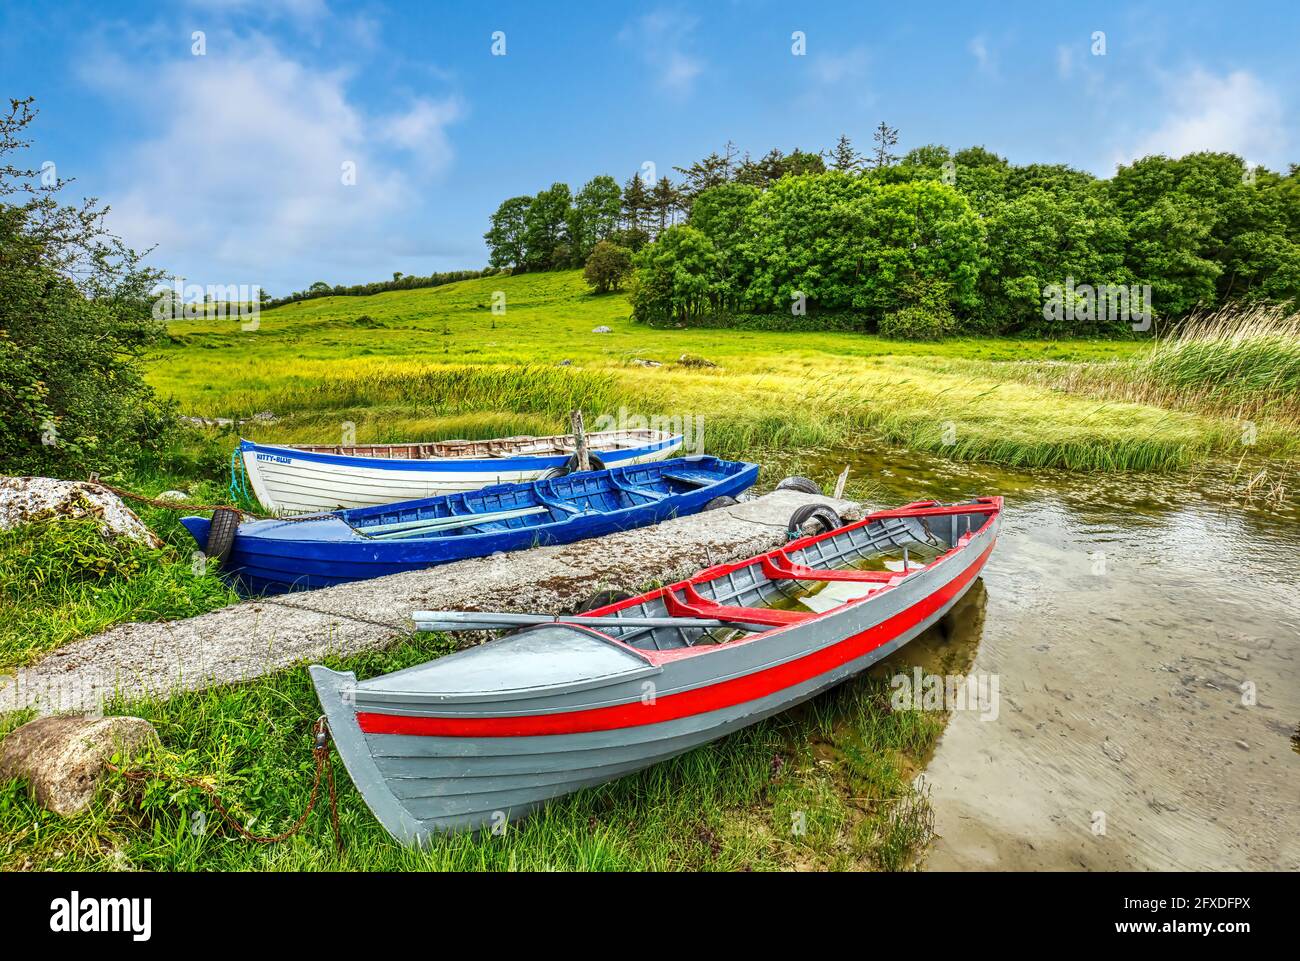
(231, 162)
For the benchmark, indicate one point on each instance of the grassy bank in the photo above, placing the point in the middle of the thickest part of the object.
(438, 363)
(825, 786)
(60, 579)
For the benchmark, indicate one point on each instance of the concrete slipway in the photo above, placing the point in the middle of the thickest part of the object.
(258, 637)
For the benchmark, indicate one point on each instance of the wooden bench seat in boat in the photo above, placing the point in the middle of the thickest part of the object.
(779, 567)
(697, 605)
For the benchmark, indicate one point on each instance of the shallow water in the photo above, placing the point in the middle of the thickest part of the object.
(1143, 633)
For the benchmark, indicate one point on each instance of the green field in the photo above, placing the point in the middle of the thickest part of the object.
(393, 365)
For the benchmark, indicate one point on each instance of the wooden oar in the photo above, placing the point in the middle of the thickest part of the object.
(410, 528)
(494, 620)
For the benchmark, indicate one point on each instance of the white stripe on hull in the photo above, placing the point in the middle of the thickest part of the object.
(303, 486)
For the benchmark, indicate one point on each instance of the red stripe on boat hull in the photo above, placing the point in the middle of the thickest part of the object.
(671, 707)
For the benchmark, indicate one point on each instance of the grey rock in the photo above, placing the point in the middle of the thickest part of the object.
(64, 758)
(24, 500)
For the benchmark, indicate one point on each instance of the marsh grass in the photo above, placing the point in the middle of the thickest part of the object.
(440, 365)
(785, 793)
(1236, 362)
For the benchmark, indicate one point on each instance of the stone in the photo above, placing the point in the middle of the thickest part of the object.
(24, 500)
(602, 329)
(64, 758)
(693, 360)
(173, 496)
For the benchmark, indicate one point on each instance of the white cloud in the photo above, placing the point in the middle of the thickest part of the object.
(1235, 113)
(984, 59)
(832, 69)
(663, 38)
(244, 170)
(1064, 61)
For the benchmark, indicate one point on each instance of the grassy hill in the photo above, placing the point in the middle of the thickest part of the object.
(436, 363)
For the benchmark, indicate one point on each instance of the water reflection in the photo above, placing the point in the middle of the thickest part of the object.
(1146, 635)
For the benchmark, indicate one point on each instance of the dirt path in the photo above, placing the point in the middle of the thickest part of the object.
(256, 638)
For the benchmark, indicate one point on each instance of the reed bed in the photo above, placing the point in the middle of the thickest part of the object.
(1238, 362)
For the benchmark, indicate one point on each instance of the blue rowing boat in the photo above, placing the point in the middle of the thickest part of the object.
(302, 553)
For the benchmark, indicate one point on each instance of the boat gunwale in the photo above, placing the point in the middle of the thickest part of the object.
(654, 440)
(990, 506)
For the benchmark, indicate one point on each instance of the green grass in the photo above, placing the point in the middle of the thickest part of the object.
(827, 786)
(61, 579)
(436, 363)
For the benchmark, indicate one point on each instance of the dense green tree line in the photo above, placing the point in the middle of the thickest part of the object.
(399, 282)
(926, 243)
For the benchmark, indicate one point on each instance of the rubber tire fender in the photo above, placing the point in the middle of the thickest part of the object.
(823, 514)
(221, 534)
(801, 484)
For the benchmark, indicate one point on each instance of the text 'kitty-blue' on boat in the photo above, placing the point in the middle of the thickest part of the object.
(272, 556)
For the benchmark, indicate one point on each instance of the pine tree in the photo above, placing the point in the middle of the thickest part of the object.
(885, 137)
(636, 203)
(843, 157)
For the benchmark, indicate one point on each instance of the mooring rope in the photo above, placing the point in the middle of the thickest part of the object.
(324, 765)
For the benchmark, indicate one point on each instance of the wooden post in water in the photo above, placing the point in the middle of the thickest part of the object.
(580, 440)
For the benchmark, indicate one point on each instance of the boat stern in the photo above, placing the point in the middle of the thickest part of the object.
(198, 528)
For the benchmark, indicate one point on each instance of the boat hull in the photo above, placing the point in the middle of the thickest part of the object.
(276, 556)
(289, 480)
(432, 762)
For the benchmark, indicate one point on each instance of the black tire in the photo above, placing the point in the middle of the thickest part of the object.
(801, 484)
(601, 599)
(571, 465)
(726, 500)
(221, 534)
(822, 515)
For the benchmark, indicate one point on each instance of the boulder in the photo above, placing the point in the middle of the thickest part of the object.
(602, 329)
(27, 499)
(64, 758)
(693, 360)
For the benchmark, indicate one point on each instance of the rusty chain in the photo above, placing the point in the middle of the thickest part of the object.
(324, 766)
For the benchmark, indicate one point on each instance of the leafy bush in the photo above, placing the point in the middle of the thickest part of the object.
(917, 323)
(75, 322)
(608, 267)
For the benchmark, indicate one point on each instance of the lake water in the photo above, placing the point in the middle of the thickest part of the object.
(1143, 632)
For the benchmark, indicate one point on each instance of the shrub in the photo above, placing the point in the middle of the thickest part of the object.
(608, 267)
(917, 323)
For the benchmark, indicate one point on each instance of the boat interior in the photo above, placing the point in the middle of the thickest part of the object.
(796, 583)
(523, 446)
(516, 506)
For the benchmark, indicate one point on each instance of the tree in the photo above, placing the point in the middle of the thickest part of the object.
(774, 165)
(595, 214)
(76, 320)
(885, 139)
(546, 241)
(844, 158)
(607, 267)
(676, 277)
(722, 214)
(712, 170)
(320, 287)
(506, 237)
(664, 201)
(636, 203)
